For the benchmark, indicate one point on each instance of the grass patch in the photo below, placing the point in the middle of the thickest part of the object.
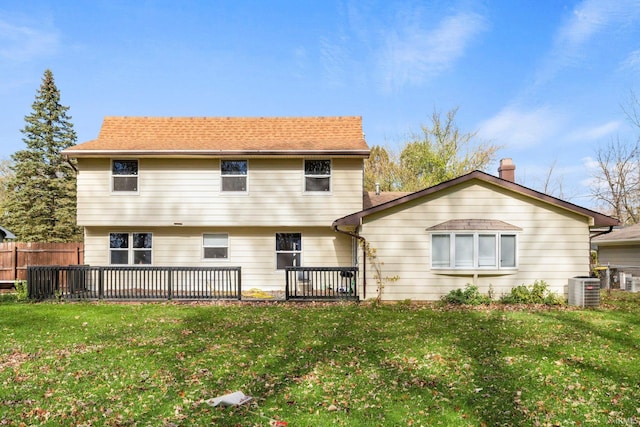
(320, 364)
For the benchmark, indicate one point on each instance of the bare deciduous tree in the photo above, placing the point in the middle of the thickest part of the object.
(616, 180)
(631, 109)
(553, 183)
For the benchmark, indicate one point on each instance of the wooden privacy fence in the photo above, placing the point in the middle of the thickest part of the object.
(133, 283)
(15, 257)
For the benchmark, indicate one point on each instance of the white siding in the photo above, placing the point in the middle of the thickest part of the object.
(552, 246)
(253, 249)
(187, 191)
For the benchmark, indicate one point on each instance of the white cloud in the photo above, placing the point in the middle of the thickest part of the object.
(596, 132)
(632, 62)
(335, 59)
(20, 43)
(516, 128)
(412, 53)
(588, 20)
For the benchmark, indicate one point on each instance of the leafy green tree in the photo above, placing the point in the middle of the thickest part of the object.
(441, 152)
(40, 196)
(383, 168)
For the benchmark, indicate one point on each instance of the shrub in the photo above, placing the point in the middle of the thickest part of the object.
(470, 296)
(538, 293)
(21, 290)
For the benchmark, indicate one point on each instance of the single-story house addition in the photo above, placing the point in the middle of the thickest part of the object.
(264, 194)
(476, 229)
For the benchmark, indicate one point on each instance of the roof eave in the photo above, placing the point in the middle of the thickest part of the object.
(595, 219)
(7, 234)
(213, 153)
(617, 242)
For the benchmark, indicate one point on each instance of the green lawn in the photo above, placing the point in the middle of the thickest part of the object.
(310, 365)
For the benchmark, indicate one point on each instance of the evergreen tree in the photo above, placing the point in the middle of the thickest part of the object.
(40, 197)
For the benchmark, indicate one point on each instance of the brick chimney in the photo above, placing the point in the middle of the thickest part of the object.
(507, 170)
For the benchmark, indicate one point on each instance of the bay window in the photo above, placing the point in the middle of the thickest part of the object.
(473, 250)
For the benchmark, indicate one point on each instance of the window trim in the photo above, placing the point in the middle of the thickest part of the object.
(112, 176)
(305, 176)
(204, 258)
(475, 266)
(222, 177)
(130, 249)
(299, 252)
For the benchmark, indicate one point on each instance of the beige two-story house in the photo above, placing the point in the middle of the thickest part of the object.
(267, 193)
(260, 193)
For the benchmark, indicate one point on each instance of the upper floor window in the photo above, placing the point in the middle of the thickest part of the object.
(124, 175)
(317, 175)
(130, 248)
(216, 246)
(471, 250)
(288, 250)
(234, 175)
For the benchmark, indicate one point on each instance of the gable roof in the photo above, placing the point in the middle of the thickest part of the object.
(598, 219)
(628, 234)
(226, 136)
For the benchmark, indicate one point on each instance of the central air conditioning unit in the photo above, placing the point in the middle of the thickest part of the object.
(633, 285)
(584, 291)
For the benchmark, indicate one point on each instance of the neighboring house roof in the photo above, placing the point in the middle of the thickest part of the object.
(226, 136)
(6, 234)
(628, 234)
(370, 198)
(598, 219)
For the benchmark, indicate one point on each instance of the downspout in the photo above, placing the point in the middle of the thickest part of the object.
(600, 233)
(364, 257)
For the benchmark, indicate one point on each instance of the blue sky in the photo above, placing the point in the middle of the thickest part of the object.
(545, 79)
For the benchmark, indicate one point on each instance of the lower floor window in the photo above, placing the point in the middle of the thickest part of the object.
(288, 250)
(130, 248)
(473, 250)
(216, 246)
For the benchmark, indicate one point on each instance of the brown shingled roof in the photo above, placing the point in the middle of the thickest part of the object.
(628, 234)
(215, 135)
(370, 198)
